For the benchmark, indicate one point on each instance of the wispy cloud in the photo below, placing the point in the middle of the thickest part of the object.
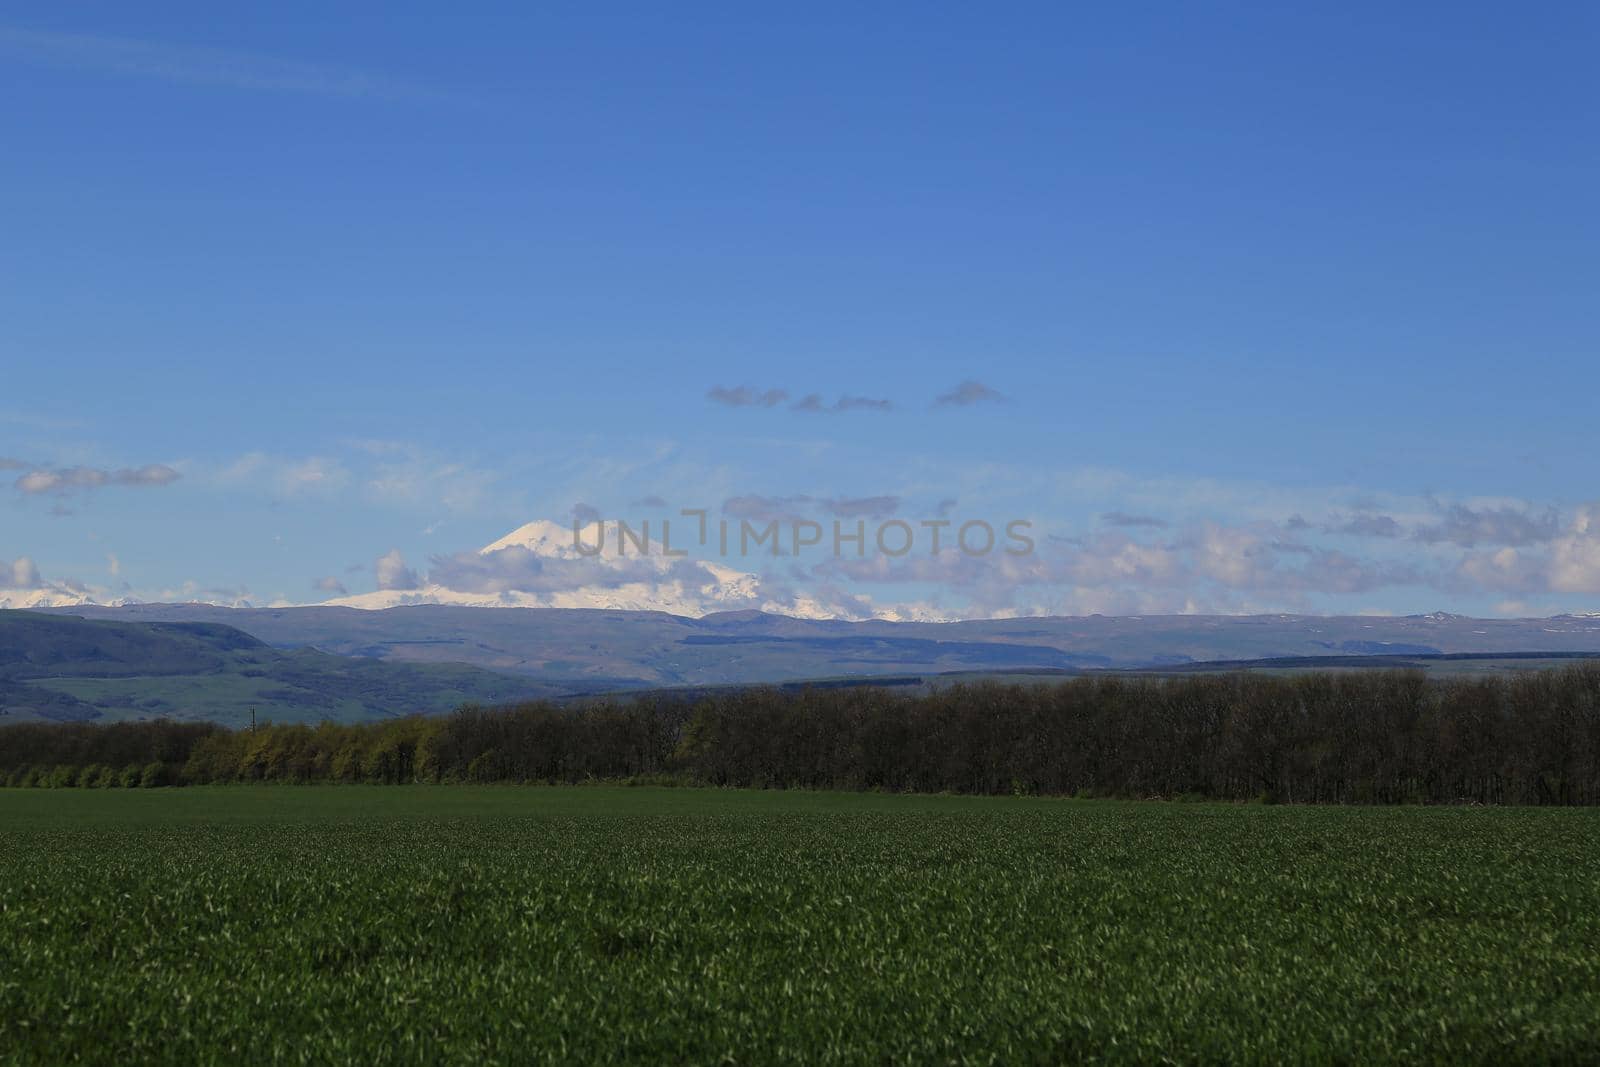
(1470, 527)
(332, 585)
(874, 507)
(63, 480)
(795, 508)
(22, 573)
(1123, 519)
(285, 475)
(743, 396)
(1367, 524)
(767, 508)
(968, 393)
(812, 403)
(198, 65)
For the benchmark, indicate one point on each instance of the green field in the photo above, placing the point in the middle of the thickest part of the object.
(507, 924)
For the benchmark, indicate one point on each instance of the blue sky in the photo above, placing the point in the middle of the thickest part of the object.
(1274, 309)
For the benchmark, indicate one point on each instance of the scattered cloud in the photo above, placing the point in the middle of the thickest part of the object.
(1123, 519)
(1503, 570)
(409, 475)
(1569, 563)
(871, 507)
(796, 508)
(1470, 527)
(314, 474)
(62, 481)
(193, 592)
(743, 396)
(861, 403)
(813, 404)
(330, 584)
(390, 474)
(393, 573)
(767, 508)
(584, 514)
(22, 585)
(1210, 566)
(285, 476)
(1366, 525)
(650, 502)
(21, 573)
(967, 393)
(1575, 555)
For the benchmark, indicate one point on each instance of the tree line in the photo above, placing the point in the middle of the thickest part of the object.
(1353, 737)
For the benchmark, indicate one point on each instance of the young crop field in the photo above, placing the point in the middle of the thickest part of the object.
(525, 924)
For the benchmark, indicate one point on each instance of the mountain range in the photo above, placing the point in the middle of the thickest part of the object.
(65, 668)
(541, 565)
(216, 663)
(623, 649)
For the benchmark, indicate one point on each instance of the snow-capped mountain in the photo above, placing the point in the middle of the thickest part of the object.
(544, 565)
(50, 597)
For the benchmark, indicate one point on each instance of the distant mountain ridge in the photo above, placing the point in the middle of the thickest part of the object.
(629, 648)
(65, 668)
(545, 564)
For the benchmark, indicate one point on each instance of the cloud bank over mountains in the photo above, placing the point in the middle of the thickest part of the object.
(23, 586)
(1134, 564)
(1105, 541)
(541, 565)
(1127, 563)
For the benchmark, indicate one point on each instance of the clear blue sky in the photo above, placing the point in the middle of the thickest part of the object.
(1311, 294)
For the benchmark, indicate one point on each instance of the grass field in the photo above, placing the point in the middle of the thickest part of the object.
(506, 924)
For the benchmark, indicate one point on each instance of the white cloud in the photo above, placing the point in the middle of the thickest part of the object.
(24, 574)
(1575, 555)
(393, 573)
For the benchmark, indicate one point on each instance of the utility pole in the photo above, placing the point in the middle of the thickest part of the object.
(252, 721)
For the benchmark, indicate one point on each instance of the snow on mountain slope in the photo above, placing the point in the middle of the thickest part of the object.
(556, 540)
(543, 565)
(49, 597)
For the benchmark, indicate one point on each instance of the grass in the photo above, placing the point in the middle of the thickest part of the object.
(506, 924)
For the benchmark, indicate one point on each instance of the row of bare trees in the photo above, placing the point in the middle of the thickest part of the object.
(1393, 737)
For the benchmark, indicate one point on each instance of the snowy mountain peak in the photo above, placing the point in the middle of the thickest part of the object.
(543, 537)
(61, 595)
(543, 564)
(49, 598)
